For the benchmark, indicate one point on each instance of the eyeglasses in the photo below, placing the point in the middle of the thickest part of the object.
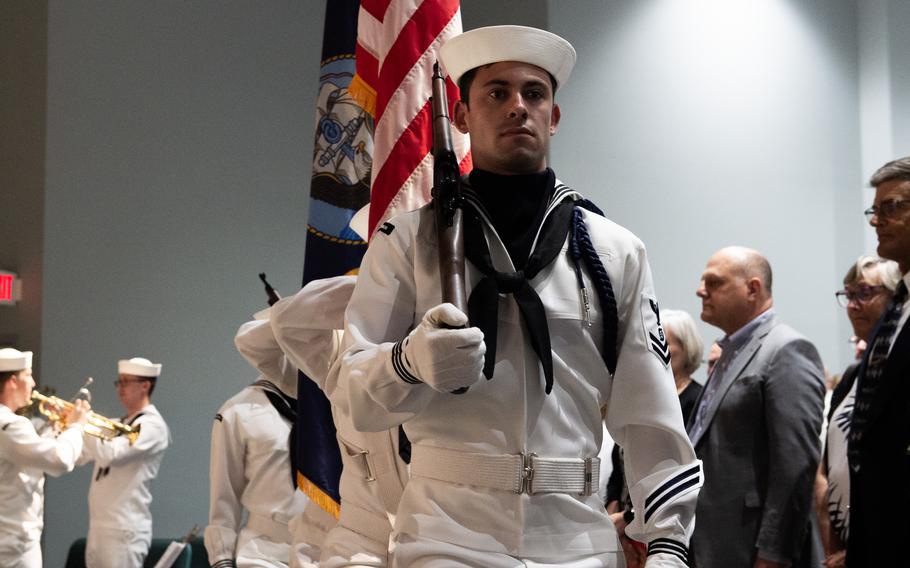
(886, 209)
(124, 382)
(861, 294)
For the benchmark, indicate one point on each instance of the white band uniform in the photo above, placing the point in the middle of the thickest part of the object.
(518, 473)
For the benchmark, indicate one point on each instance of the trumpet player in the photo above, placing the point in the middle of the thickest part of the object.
(24, 459)
(120, 522)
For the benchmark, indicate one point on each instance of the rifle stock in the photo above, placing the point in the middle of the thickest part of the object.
(447, 200)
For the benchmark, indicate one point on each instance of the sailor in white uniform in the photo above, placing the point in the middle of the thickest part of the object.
(308, 328)
(505, 475)
(120, 520)
(24, 459)
(251, 468)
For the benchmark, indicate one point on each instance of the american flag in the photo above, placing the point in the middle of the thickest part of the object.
(397, 43)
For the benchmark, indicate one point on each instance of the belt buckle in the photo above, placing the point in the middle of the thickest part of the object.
(365, 455)
(588, 478)
(526, 473)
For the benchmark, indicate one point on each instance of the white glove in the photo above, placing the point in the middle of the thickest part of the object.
(444, 358)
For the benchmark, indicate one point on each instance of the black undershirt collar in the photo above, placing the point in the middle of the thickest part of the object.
(516, 205)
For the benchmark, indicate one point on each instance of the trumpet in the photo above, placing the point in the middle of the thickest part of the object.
(96, 425)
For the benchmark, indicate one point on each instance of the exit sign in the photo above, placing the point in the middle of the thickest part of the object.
(10, 288)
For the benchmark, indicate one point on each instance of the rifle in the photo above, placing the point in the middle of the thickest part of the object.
(447, 199)
(270, 292)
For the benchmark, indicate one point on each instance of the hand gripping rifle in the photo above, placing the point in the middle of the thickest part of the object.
(447, 199)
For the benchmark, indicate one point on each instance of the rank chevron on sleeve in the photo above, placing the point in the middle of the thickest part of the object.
(661, 348)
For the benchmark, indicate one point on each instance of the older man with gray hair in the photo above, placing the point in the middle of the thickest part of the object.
(756, 426)
(878, 448)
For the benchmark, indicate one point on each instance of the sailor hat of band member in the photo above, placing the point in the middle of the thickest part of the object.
(493, 44)
(14, 360)
(138, 366)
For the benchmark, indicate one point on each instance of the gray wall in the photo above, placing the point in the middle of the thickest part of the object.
(179, 136)
(179, 142)
(23, 89)
(699, 125)
(899, 48)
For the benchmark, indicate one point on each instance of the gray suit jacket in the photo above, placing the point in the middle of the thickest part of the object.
(760, 450)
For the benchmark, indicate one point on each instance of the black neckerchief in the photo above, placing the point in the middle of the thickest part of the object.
(516, 206)
(287, 408)
(134, 418)
(483, 304)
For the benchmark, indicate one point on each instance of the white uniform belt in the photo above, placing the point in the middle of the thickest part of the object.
(367, 523)
(374, 467)
(275, 530)
(519, 473)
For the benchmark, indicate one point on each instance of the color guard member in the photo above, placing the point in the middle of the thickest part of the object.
(505, 474)
(251, 468)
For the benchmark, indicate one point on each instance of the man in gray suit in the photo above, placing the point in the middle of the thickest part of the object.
(756, 426)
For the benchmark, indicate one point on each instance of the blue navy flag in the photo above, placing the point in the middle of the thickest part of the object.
(340, 187)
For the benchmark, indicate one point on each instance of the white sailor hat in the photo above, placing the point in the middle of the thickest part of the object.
(256, 342)
(493, 44)
(14, 360)
(138, 366)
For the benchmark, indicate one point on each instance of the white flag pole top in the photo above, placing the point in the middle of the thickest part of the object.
(14, 360)
(139, 367)
(494, 44)
(360, 222)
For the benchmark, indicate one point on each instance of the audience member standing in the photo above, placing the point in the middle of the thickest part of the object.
(868, 288)
(686, 350)
(756, 426)
(877, 446)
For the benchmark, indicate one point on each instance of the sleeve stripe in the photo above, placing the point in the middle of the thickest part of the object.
(224, 563)
(400, 367)
(669, 495)
(667, 546)
(694, 470)
(670, 544)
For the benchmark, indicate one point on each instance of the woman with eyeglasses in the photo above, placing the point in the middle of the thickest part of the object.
(868, 287)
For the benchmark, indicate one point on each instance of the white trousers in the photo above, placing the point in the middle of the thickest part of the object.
(16, 553)
(116, 548)
(255, 549)
(410, 552)
(344, 548)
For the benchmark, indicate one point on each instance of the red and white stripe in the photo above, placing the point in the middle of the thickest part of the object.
(397, 45)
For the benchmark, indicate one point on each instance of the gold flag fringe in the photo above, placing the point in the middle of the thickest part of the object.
(319, 497)
(364, 94)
